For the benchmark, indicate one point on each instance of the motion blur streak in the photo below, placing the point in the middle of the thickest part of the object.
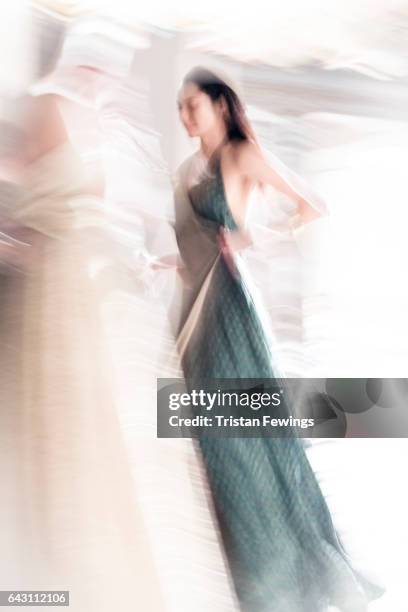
(92, 501)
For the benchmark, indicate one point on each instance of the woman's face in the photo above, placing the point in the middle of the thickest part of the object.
(198, 112)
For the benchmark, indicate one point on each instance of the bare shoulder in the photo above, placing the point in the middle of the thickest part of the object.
(245, 155)
(245, 151)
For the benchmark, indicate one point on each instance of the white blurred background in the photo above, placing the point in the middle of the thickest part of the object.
(326, 87)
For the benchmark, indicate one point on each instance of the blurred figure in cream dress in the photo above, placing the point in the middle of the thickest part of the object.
(75, 518)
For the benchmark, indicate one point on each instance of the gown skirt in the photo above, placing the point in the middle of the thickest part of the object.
(283, 550)
(92, 502)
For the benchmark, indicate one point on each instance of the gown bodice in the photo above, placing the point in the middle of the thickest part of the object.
(209, 199)
(201, 211)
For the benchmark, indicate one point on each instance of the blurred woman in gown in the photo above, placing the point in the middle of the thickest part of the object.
(74, 517)
(77, 524)
(283, 550)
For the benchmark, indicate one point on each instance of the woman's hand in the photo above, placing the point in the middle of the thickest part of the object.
(165, 262)
(170, 262)
(231, 241)
(305, 214)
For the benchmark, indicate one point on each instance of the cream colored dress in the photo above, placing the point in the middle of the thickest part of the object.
(94, 502)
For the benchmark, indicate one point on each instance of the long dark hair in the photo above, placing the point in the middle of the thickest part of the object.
(237, 123)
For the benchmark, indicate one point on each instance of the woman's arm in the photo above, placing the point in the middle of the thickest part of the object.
(252, 162)
(172, 260)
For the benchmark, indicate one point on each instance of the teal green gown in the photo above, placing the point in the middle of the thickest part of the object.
(283, 551)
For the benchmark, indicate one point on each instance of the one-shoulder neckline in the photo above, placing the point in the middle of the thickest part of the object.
(215, 154)
(218, 171)
(212, 168)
